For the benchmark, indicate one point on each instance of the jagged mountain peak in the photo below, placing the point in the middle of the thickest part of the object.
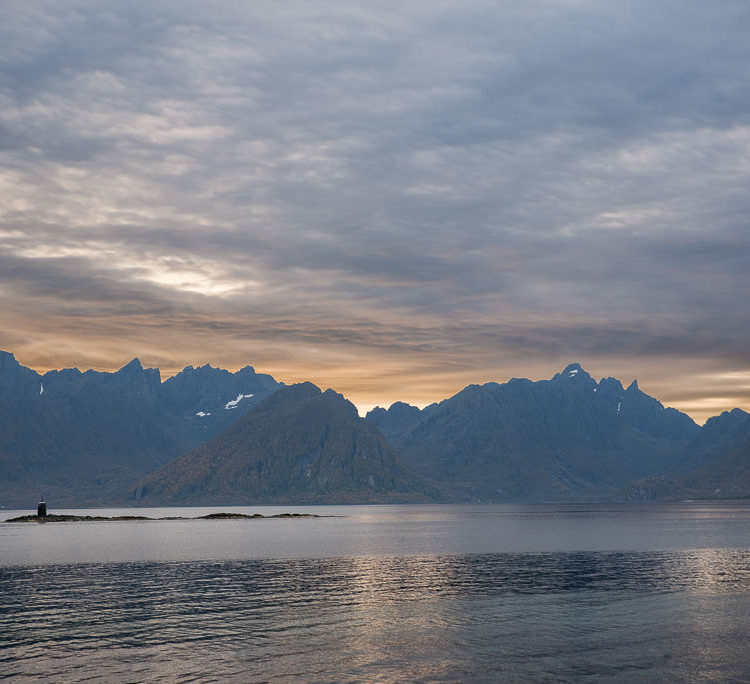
(205, 369)
(196, 369)
(573, 372)
(208, 369)
(402, 407)
(727, 419)
(133, 371)
(134, 365)
(611, 386)
(399, 417)
(306, 391)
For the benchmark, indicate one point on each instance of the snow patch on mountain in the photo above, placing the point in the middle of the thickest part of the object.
(233, 403)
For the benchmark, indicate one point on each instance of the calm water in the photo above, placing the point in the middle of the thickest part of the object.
(383, 593)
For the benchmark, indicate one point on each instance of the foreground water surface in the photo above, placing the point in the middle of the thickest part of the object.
(382, 593)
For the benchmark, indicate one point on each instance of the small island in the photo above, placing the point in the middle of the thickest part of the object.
(117, 518)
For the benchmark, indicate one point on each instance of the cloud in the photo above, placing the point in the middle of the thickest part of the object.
(445, 184)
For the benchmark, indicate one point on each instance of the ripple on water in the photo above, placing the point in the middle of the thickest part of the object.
(560, 616)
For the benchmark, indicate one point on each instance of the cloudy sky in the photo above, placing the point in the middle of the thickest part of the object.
(392, 199)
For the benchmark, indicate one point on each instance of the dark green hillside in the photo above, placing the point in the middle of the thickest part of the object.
(300, 445)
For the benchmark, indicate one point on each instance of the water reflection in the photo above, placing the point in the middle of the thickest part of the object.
(483, 617)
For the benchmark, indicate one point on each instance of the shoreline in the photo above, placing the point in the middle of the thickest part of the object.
(124, 518)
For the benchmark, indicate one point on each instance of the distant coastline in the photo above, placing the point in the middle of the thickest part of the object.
(123, 518)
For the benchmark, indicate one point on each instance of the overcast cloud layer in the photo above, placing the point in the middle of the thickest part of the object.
(393, 199)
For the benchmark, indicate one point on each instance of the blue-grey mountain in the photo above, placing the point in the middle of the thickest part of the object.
(210, 436)
(81, 438)
(715, 465)
(300, 445)
(560, 439)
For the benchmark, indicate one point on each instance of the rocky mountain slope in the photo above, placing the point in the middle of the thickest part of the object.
(300, 445)
(560, 439)
(79, 438)
(715, 465)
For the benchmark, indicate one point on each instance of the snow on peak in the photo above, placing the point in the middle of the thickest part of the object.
(41, 389)
(233, 403)
(619, 404)
(572, 372)
(203, 414)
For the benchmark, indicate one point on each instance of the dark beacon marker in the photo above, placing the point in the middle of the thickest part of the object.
(41, 508)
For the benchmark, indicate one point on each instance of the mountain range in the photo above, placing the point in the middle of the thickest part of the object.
(715, 465)
(85, 437)
(561, 439)
(209, 436)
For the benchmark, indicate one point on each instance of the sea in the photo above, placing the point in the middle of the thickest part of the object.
(413, 593)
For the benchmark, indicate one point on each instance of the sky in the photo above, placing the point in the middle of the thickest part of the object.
(391, 199)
